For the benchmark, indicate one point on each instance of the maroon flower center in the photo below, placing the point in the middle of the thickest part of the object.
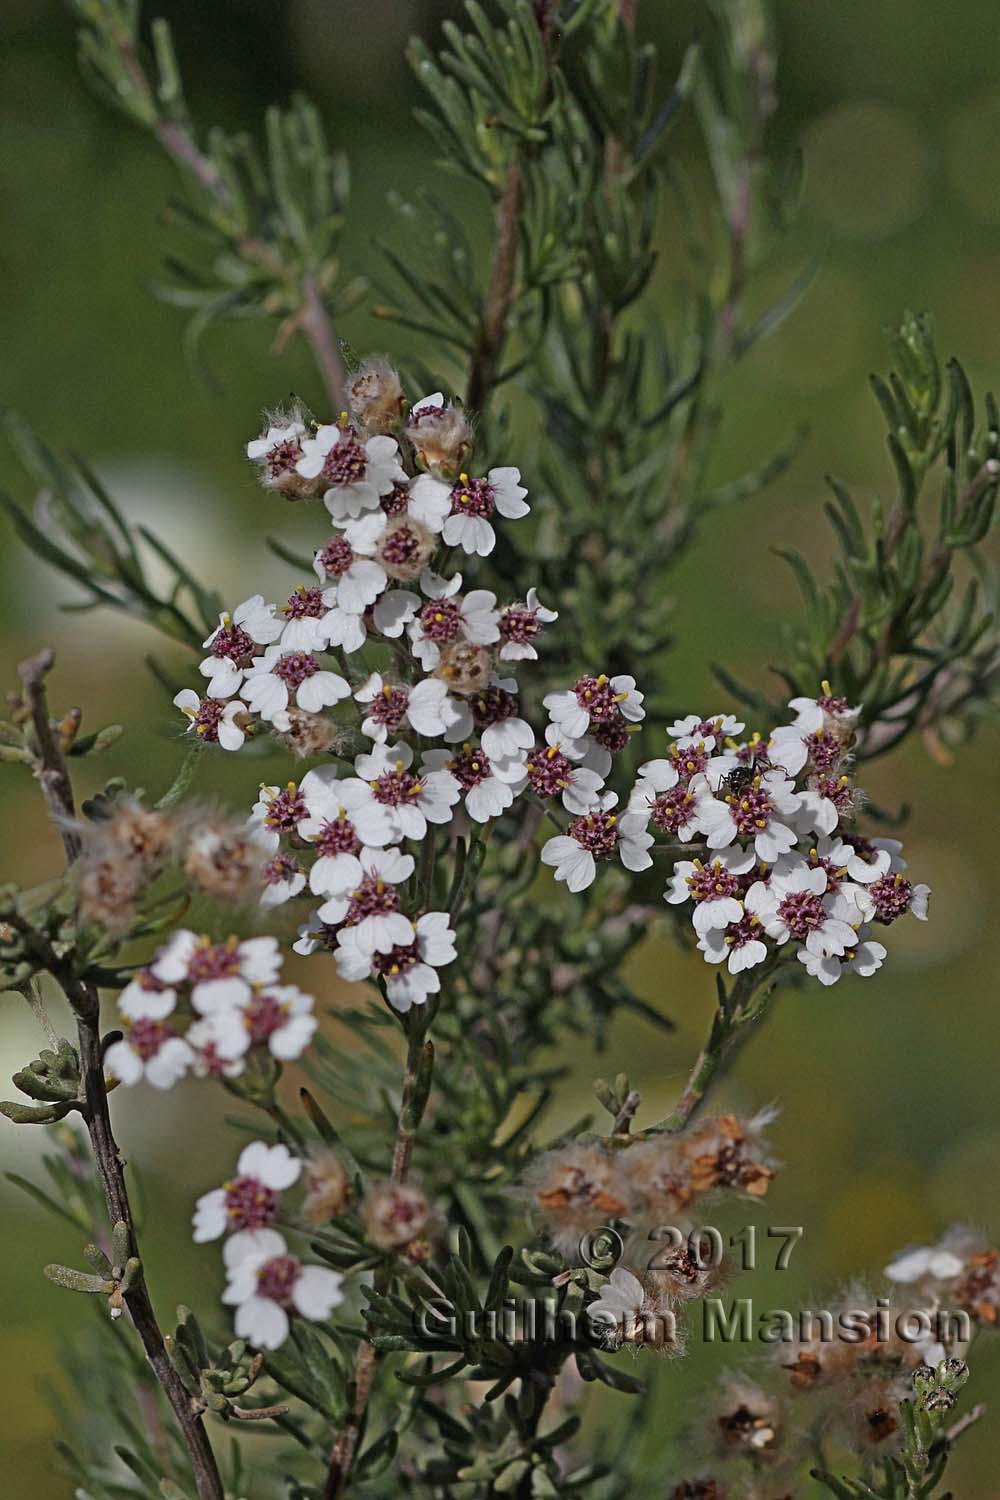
(689, 760)
(824, 749)
(393, 788)
(473, 497)
(213, 961)
(232, 642)
(708, 727)
(306, 604)
(441, 620)
(282, 458)
(469, 768)
(833, 705)
(263, 1016)
(346, 462)
(249, 1204)
(598, 697)
(214, 1065)
(206, 720)
(834, 873)
(802, 912)
(670, 810)
(751, 810)
(548, 771)
(519, 625)
(713, 882)
(837, 789)
(373, 898)
(389, 707)
(397, 961)
(892, 895)
(147, 1036)
(287, 809)
(398, 498)
(294, 667)
(276, 1279)
(491, 706)
(338, 836)
(281, 868)
(612, 732)
(336, 556)
(401, 544)
(597, 833)
(746, 930)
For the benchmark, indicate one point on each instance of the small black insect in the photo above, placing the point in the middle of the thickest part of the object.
(736, 781)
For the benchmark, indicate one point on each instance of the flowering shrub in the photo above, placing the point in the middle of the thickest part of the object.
(482, 810)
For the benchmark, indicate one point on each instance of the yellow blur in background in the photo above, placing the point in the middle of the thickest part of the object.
(889, 1129)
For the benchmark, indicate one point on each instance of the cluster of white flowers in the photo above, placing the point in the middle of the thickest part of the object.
(264, 1282)
(203, 1007)
(783, 862)
(772, 819)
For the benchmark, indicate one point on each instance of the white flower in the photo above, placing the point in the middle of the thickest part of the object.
(662, 796)
(151, 1048)
(520, 627)
(471, 504)
(429, 502)
(308, 619)
(342, 818)
(617, 1314)
(412, 801)
(371, 904)
(427, 707)
(754, 813)
(826, 711)
(449, 618)
(489, 786)
(214, 720)
(279, 675)
(220, 974)
(795, 905)
(492, 714)
(740, 945)
(823, 801)
(249, 1200)
(694, 727)
(715, 888)
(598, 834)
(408, 969)
(840, 859)
(265, 1283)
(284, 878)
(252, 623)
(277, 452)
(357, 474)
(278, 1017)
(359, 578)
(551, 773)
(864, 958)
(594, 702)
(929, 1260)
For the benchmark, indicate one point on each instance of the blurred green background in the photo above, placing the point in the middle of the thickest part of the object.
(887, 1089)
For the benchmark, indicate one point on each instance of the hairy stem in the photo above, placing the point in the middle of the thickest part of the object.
(50, 769)
(317, 328)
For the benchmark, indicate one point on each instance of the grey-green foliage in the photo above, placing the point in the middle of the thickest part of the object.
(262, 217)
(907, 624)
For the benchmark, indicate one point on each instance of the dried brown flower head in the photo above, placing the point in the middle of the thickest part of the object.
(328, 1188)
(395, 1214)
(376, 396)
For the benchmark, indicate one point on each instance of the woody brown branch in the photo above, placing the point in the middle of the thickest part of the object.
(57, 788)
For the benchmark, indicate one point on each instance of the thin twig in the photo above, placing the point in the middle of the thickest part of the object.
(53, 777)
(317, 328)
(500, 294)
(419, 1056)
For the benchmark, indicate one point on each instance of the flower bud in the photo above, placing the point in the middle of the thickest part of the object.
(376, 396)
(441, 436)
(394, 1214)
(405, 548)
(465, 667)
(328, 1188)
